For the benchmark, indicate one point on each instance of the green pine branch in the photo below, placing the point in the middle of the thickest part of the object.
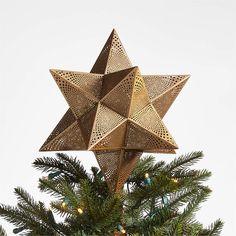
(166, 205)
(213, 230)
(184, 161)
(69, 166)
(2, 231)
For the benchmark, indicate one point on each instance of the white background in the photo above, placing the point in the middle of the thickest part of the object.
(162, 37)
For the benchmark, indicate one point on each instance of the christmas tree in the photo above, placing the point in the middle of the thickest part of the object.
(157, 199)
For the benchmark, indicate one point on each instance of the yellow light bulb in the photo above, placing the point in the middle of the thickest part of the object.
(146, 175)
(123, 231)
(45, 178)
(63, 204)
(80, 211)
(175, 180)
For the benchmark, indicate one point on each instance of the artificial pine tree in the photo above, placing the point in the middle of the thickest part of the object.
(157, 199)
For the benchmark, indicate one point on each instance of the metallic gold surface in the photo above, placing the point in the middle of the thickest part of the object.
(115, 112)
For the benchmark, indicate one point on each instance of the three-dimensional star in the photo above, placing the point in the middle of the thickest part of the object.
(115, 112)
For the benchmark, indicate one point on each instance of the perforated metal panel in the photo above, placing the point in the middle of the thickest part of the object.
(117, 166)
(113, 56)
(79, 100)
(89, 83)
(115, 112)
(163, 89)
(149, 119)
(105, 121)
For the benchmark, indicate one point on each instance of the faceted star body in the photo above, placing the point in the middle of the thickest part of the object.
(114, 112)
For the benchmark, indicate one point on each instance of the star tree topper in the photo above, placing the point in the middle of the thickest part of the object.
(115, 112)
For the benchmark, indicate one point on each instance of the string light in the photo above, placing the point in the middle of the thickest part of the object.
(121, 229)
(147, 180)
(146, 175)
(65, 202)
(18, 230)
(80, 211)
(165, 200)
(45, 178)
(175, 180)
(54, 174)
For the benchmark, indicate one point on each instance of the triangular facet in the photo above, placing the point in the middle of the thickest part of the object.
(109, 163)
(70, 139)
(163, 102)
(68, 119)
(105, 121)
(114, 140)
(112, 57)
(79, 101)
(117, 166)
(128, 161)
(149, 119)
(89, 82)
(112, 79)
(140, 96)
(158, 85)
(139, 138)
(86, 123)
(119, 98)
(118, 59)
(101, 62)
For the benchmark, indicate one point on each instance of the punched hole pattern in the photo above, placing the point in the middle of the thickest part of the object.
(105, 121)
(91, 83)
(122, 92)
(72, 139)
(150, 120)
(156, 85)
(109, 163)
(118, 59)
(146, 140)
(78, 102)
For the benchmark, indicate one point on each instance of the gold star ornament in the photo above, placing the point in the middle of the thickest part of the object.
(115, 111)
